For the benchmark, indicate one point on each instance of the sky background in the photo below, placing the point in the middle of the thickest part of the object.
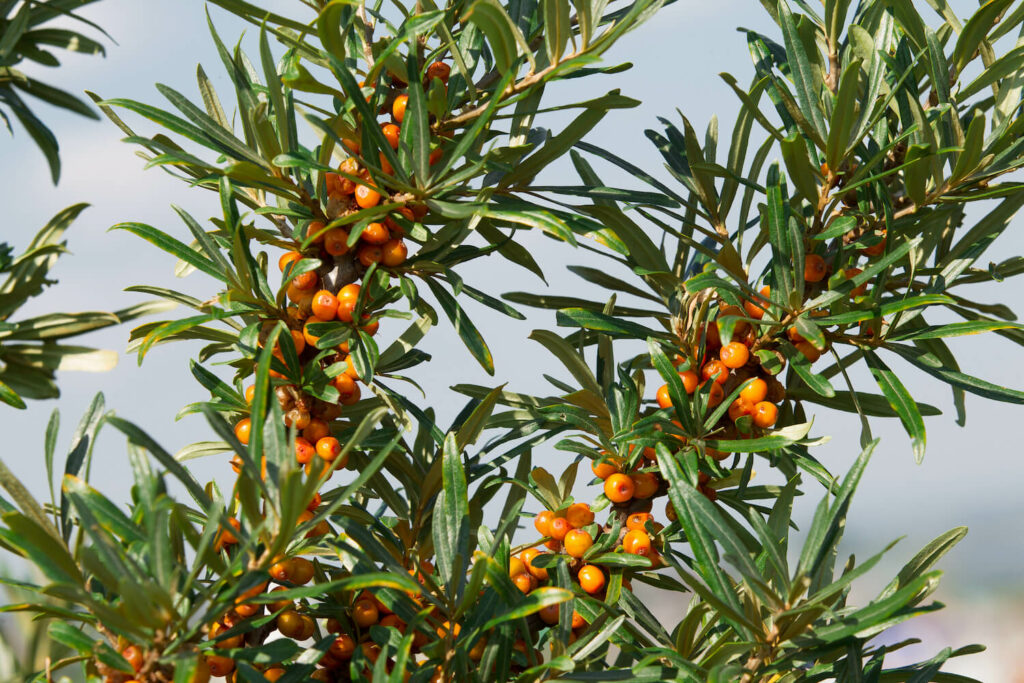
(969, 476)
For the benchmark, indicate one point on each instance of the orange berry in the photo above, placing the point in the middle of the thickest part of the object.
(619, 488)
(303, 451)
(349, 292)
(392, 133)
(348, 391)
(225, 537)
(343, 646)
(577, 620)
(524, 582)
(336, 242)
(645, 484)
(316, 430)
(577, 541)
(542, 522)
(375, 233)
(371, 327)
(515, 566)
(134, 656)
(289, 623)
(367, 197)
(663, 397)
(439, 70)
(315, 230)
(851, 273)
(311, 338)
(394, 253)
(274, 674)
(549, 614)
(734, 355)
(368, 254)
(288, 258)
(351, 145)
(365, 613)
(739, 408)
(435, 155)
(220, 665)
(299, 418)
(350, 367)
(753, 310)
(815, 268)
(579, 515)
(558, 528)
(637, 520)
(243, 430)
(755, 391)
(716, 395)
(716, 370)
(346, 307)
(528, 556)
(875, 249)
(325, 305)
(808, 350)
(637, 542)
(591, 579)
(765, 414)
(606, 467)
(690, 380)
(250, 393)
(305, 281)
(398, 107)
(328, 448)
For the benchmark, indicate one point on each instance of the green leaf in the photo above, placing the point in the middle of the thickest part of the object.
(174, 247)
(451, 516)
(806, 78)
(557, 28)
(503, 36)
(464, 327)
(900, 400)
(975, 31)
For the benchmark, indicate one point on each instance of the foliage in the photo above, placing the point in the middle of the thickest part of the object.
(25, 36)
(744, 277)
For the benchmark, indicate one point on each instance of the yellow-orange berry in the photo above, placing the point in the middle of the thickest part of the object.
(579, 515)
(398, 107)
(637, 542)
(755, 391)
(734, 355)
(367, 197)
(365, 613)
(765, 414)
(394, 253)
(558, 528)
(336, 242)
(243, 430)
(542, 522)
(637, 520)
(619, 488)
(606, 467)
(325, 305)
(815, 268)
(645, 484)
(528, 556)
(577, 542)
(591, 578)
(328, 448)
(375, 233)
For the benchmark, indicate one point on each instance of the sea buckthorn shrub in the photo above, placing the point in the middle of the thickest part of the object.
(352, 536)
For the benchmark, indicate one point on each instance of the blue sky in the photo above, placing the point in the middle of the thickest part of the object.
(969, 476)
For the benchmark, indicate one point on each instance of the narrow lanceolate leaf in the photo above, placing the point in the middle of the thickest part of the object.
(807, 80)
(900, 400)
(465, 328)
(778, 231)
(702, 543)
(451, 515)
(557, 28)
(925, 559)
(174, 247)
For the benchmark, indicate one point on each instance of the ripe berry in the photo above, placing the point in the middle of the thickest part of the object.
(549, 614)
(577, 541)
(734, 355)
(558, 528)
(367, 197)
(716, 395)
(577, 620)
(398, 107)
(289, 623)
(739, 408)
(274, 674)
(591, 579)
(765, 414)
(134, 656)
(815, 268)
(392, 133)
(528, 556)
(579, 515)
(316, 430)
(303, 451)
(690, 380)
(288, 258)
(637, 542)
(524, 582)
(336, 242)
(219, 665)
(755, 391)
(365, 613)
(348, 391)
(808, 350)
(243, 430)
(343, 646)
(875, 249)
(606, 467)
(439, 70)
(645, 484)
(325, 305)
(305, 281)
(753, 310)
(328, 448)
(515, 566)
(663, 397)
(637, 520)
(368, 254)
(619, 488)
(716, 370)
(375, 233)
(395, 253)
(859, 290)
(542, 522)
(301, 571)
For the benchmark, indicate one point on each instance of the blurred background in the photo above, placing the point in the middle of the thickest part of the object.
(970, 476)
